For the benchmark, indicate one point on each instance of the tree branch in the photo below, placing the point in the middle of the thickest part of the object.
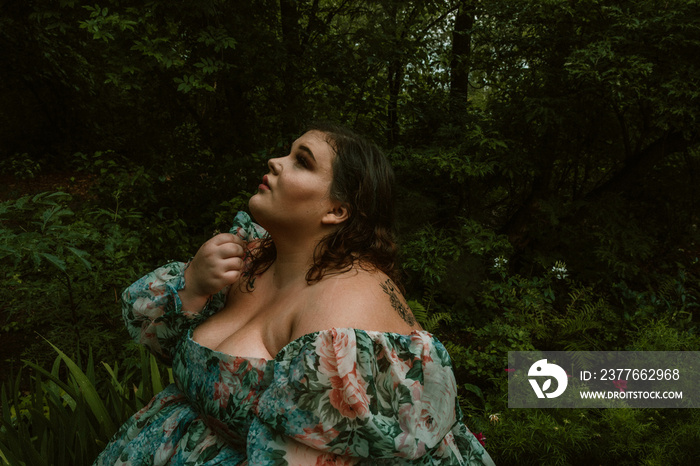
(635, 166)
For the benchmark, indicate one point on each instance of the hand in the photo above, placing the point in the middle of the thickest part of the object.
(217, 264)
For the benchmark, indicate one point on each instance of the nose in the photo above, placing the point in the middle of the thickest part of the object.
(274, 165)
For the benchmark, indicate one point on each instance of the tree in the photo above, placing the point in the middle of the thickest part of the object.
(461, 56)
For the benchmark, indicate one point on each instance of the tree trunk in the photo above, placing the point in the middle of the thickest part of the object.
(461, 57)
(291, 44)
(395, 78)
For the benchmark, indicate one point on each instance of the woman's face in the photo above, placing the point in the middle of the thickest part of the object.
(296, 191)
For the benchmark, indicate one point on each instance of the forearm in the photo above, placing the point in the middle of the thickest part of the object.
(192, 301)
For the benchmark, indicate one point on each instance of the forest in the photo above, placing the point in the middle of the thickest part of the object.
(547, 156)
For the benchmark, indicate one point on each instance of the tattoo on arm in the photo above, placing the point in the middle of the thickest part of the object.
(403, 310)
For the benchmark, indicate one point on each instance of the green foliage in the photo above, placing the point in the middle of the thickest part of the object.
(71, 265)
(428, 254)
(71, 413)
(429, 321)
(39, 238)
(440, 259)
(557, 313)
(579, 437)
(553, 207)
(20, 166)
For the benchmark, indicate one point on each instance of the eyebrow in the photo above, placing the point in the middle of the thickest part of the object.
(307, 150)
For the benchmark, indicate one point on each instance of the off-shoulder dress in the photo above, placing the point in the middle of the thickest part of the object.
(356, 396)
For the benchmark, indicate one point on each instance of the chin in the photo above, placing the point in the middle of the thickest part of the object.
(259, 212)
(254, 206)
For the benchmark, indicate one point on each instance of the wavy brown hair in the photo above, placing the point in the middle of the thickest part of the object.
(363, 180)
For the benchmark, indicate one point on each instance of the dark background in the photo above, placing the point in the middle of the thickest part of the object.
(546, 154)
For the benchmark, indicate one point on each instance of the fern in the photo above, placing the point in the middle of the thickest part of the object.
(428, 320)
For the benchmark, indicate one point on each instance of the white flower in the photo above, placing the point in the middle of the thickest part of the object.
(559, 270)
(494, 417)
(500, 262)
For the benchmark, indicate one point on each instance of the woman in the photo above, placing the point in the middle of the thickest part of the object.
(292, 344)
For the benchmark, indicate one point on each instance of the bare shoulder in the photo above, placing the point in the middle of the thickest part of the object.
(362, 299)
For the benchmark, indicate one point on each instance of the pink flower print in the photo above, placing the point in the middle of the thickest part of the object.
(429, 427)
(329, 459)
(156, 288)
(400, 367)
(337, 360)
(221, 393)
(415, 387)
(146, 307)
(422, 341)
(437, 403)
(349, 396)
(344, 347)
(232, 367)
(164, 453)
(327, 362)
(317, 437)
(480, 437)
(621, 384)
(406, 443)
(426, 420)
(337, 352)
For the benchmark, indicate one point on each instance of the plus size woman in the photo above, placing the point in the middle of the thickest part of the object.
(289, 338)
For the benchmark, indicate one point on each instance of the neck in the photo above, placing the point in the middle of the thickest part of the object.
(295, 256)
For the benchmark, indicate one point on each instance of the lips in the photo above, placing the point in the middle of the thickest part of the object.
(265, 185)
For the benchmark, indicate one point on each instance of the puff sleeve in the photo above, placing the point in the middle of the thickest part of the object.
(357, 396)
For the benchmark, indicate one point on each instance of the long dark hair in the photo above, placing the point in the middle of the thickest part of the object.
(363, 180)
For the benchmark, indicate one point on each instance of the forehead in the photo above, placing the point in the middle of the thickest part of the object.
(317, 143)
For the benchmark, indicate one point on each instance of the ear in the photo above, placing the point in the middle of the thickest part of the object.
(337, 215)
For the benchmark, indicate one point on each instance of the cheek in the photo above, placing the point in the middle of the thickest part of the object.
(306, 189)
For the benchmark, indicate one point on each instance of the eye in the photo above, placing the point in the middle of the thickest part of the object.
(301, 160)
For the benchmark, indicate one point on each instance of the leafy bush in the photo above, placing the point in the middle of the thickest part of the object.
(67, 260)
(71, 413)
(539, 302)
(21, 166)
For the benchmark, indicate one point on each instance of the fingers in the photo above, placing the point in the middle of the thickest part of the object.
(229, 245)
(218, 262)
(230, 251)
(224, 246)
(223, 238)
(232, 264)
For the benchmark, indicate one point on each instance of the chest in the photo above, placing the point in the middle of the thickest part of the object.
(254, 323)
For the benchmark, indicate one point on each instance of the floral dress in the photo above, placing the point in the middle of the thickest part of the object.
(355, 396)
